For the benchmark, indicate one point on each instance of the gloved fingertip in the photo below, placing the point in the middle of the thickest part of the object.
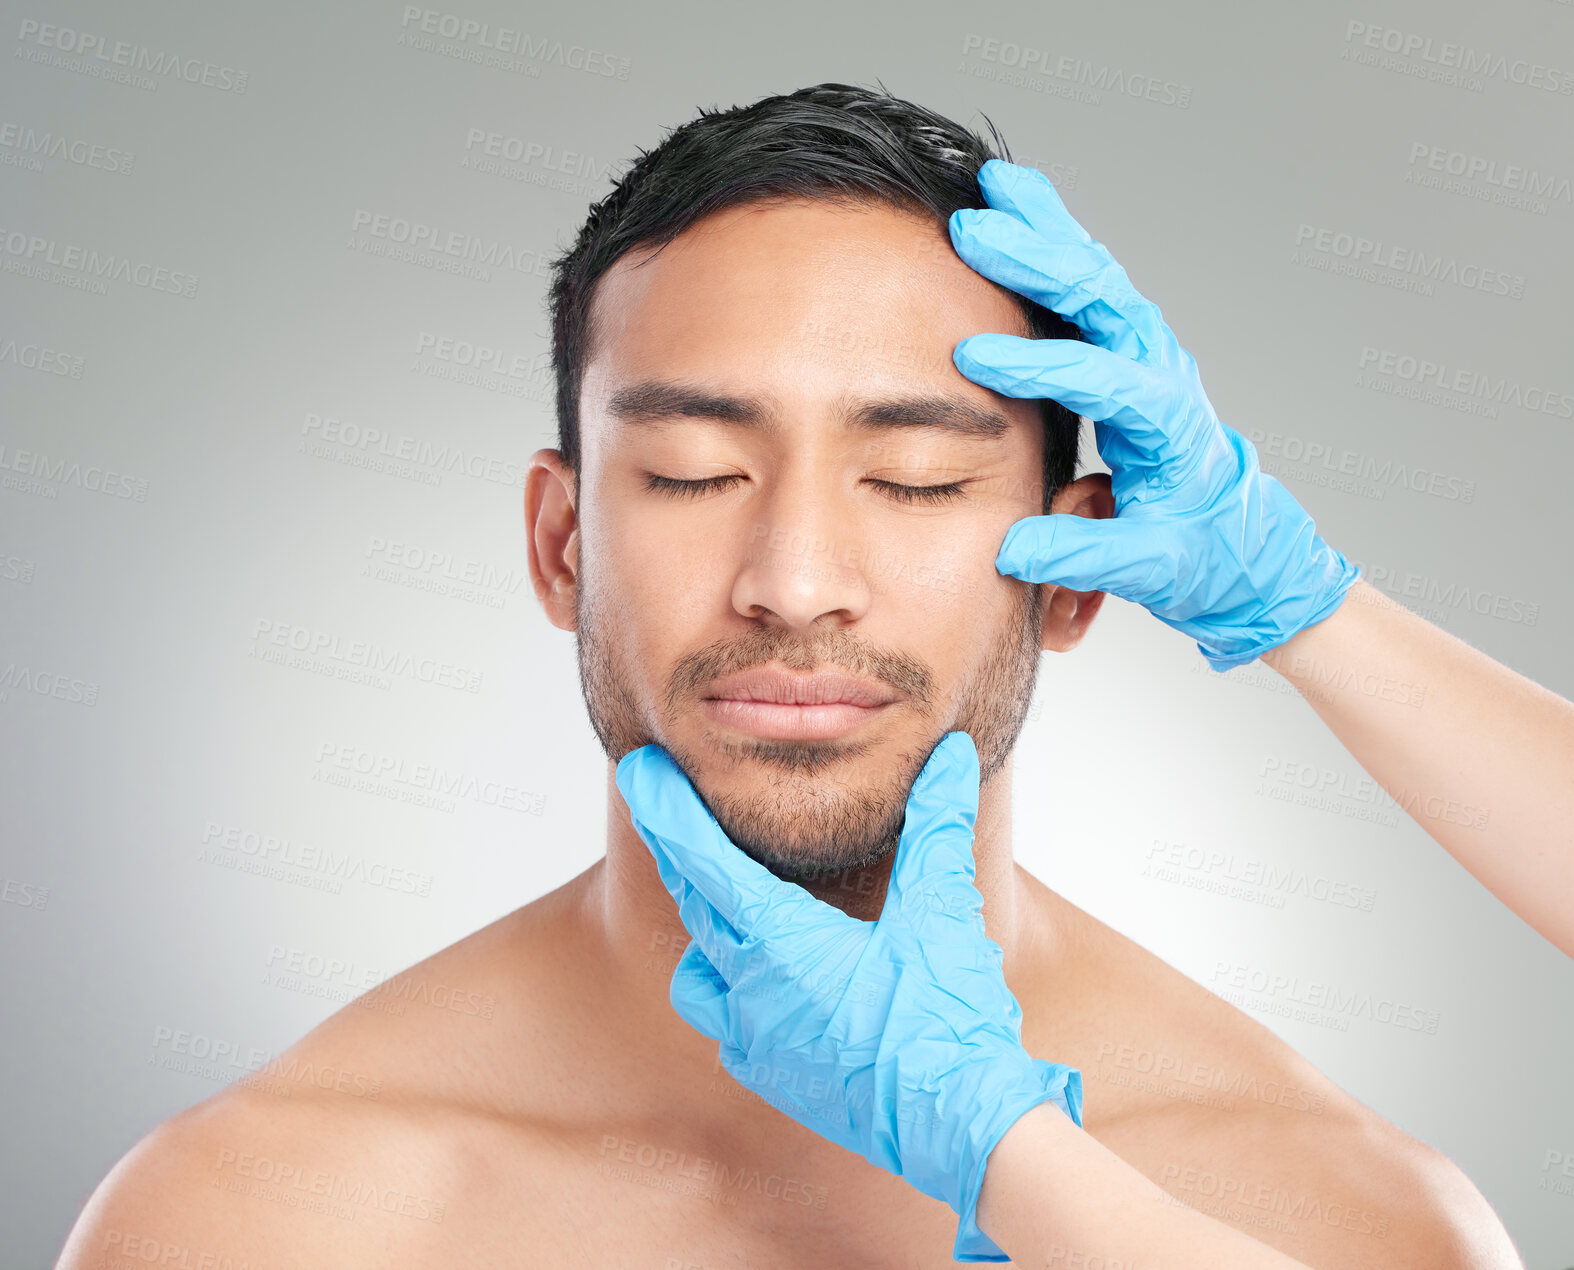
(1010, 557)
(963, 222)
(964, 360)
(1002, 174)
(954, 758)
(953, 750)
(632, 762)
(980, 352)
(1001, 170)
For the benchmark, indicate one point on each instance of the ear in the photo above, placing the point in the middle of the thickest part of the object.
(1067, 613)
(552, 530)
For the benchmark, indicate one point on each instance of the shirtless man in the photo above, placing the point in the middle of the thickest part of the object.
(584, 1123)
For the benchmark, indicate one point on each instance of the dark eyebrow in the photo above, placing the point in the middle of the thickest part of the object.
(942, 413)
(653, 402)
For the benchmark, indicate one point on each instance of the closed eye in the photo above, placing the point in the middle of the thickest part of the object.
(675, 488)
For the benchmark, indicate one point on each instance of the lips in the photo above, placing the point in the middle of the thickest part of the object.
(781, 688)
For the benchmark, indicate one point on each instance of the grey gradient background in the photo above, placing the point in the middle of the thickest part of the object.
(138, 907)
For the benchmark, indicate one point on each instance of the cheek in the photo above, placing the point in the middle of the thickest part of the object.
(944, 579)
(954, 552)
(658, 580)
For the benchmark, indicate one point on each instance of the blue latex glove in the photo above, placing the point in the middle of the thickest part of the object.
(1202, 539)
(896, 1039)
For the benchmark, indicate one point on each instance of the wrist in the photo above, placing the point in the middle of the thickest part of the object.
(1048, 1083)
(1040, 1132)
(1294, 659)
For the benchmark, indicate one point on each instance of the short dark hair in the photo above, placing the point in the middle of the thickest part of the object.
(832, 141)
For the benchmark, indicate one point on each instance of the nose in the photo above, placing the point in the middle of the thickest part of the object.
(806, 561)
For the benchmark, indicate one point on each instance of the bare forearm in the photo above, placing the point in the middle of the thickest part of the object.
(1479, 756)
(1054, 1196)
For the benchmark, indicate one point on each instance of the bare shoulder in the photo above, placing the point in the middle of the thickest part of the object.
(1230, 1120)
(353, 1146)
(250, 1179)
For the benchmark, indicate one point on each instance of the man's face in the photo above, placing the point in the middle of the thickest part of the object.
(798, 347)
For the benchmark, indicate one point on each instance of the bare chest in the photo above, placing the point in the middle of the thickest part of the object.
(637, 1198)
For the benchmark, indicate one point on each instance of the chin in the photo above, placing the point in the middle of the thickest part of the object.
(808, 864)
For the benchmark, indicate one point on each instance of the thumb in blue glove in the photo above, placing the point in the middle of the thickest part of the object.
(896, 1039)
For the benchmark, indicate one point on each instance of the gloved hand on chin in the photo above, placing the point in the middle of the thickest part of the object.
(897, 1039)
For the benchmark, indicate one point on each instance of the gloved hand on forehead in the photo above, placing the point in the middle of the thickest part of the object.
(1201, 538)
(896, 1039)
